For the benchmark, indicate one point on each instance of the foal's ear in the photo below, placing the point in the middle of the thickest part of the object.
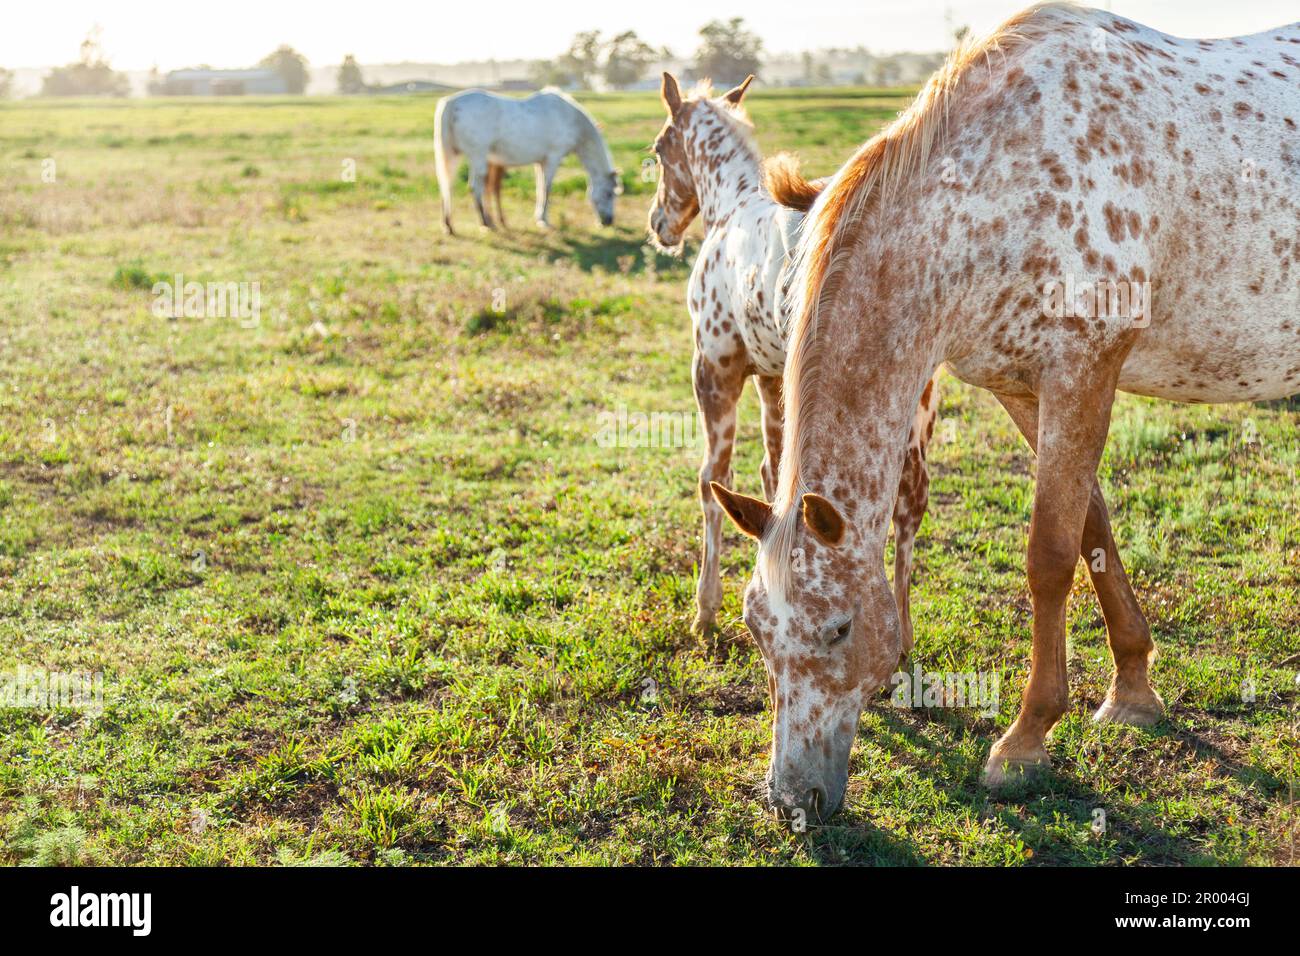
(751, 515)
(823, 520)
(671, 94)
(735, 96)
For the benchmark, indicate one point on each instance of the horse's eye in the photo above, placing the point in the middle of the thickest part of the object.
(840, 632)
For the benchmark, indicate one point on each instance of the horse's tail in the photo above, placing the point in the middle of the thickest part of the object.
(787, 184)
(444, 158)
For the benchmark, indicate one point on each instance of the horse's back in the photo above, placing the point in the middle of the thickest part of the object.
(1137, 157)
(511, 131)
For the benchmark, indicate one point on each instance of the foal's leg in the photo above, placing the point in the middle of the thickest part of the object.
(909, 509)
(1131, 699)
(769, 395)
(478, 173)
(717, 390)
(1074, 417)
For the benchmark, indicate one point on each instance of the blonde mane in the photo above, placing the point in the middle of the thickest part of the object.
(882, 167)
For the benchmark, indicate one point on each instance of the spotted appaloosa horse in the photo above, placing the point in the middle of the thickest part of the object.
(1071, 145)
(709, 166)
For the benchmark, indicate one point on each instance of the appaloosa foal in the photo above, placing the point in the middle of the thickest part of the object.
(709, 166)
(1080, 204)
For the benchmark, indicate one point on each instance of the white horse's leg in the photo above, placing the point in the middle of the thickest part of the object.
(545, 176)
(496, 173)
(478, 171)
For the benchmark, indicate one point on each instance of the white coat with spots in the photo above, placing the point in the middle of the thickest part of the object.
(710, 167)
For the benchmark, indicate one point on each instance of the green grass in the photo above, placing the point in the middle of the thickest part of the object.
(364, 588)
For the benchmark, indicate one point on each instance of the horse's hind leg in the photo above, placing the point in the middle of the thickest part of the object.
(496, 173)
(1074, 417)
(769, 394)
(1131, 699)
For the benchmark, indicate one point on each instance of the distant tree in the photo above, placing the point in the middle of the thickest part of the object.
(579, 65)
(885, 72)
(728, 53)
(582, 60)
(550, 73)
(89, 76)
(627, 57)
(960, 34)
(290, 64)
(350, 80)
(6, 83)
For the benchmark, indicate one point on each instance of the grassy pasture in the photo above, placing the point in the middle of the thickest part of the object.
(364, 588)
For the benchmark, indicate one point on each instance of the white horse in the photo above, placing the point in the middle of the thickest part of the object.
(496, 132)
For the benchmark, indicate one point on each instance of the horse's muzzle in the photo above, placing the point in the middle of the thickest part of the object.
(804, 804)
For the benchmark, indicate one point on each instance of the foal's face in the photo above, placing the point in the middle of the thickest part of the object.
(829, 640)
(676, 203)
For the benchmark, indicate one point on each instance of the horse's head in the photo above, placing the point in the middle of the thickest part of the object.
(676, 201)
(829, 633)
(601, 190)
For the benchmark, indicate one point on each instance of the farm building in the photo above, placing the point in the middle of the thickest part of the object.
(202, 82)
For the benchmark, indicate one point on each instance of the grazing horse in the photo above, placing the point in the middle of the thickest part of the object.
(709, 166)
(996, 225)
(496, 132)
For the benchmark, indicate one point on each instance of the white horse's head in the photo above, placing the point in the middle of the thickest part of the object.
(602, 187)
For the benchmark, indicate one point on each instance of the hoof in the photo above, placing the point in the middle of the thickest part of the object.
(703, 626)
(1145, 711)
(1004, 770)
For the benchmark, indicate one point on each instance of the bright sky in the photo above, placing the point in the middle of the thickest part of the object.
(139, 33)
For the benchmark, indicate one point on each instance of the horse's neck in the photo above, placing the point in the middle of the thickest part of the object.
(727, 172)
(591, 148)
(853, 430)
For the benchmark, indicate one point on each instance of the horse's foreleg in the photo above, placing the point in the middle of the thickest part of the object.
(1131, 698)
(1074, 417)
(478, 175)
(717, 391)
(545, 176)
(909, 509)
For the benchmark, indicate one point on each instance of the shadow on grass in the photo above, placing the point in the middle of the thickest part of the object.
(1291, 404)
(611, 252)
(1031, 811)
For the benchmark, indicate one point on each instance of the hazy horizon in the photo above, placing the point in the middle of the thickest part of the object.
(155, 33)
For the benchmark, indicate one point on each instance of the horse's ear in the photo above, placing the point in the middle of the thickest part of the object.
(735, 96)
(751, 515)
(671, 93)
(823, 520)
